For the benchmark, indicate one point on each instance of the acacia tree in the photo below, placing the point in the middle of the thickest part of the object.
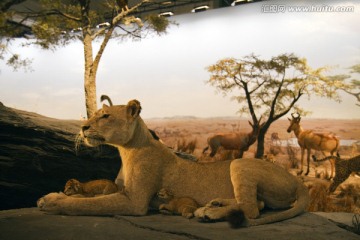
(353, 85)
(271, 88)
(59, 22)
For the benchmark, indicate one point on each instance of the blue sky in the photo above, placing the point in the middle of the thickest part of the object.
(167, 74)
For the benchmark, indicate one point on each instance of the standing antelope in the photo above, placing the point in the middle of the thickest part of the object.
(308, 140)
(233, 141)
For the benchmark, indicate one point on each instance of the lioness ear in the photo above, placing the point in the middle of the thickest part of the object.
(133, 108)
(104, 106)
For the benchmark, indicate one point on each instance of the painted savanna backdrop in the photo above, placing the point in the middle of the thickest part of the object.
(190, 134)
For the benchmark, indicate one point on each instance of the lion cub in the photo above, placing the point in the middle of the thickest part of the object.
(183, 206)
(91, 188)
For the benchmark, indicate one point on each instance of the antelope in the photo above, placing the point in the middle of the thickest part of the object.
(307, 139)
(233, 141)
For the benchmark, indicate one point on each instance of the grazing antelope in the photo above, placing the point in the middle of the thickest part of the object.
(308, 140)
(233, 141)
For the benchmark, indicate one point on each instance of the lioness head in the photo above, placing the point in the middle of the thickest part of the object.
(111, 125)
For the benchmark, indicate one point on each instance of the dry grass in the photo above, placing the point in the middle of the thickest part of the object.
(187, 146)
(345, 199)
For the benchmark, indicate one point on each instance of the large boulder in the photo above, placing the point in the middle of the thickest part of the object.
(38, 156)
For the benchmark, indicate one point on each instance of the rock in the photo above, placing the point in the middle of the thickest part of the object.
(31, 224)
(37, 156)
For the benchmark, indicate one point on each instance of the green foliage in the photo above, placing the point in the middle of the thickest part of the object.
(349, 85)
(272, 86)
(158, 23)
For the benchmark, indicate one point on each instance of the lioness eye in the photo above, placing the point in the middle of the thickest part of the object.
(105, 115)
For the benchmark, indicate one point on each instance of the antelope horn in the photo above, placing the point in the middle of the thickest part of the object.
(298, 115)
(106, 97)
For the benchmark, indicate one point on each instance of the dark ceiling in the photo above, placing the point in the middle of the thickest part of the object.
(175, 7)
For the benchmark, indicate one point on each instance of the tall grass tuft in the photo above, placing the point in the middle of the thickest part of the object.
(186, 146)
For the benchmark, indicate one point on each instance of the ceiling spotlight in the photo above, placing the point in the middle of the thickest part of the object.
(166, 14)
(239, 2)
(200, 9)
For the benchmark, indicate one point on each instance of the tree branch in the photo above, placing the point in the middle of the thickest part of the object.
(251, 107)
(50, 12)
(296, 98)
(259, 86)
(273, 104)
(110, 31)
(124, 13)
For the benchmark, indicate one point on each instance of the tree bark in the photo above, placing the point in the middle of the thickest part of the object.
(90, 75)
(260, 144)
(89, 78)
(261, 139)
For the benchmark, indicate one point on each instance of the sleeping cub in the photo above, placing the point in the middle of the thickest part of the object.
(183, 206)
(91, 188)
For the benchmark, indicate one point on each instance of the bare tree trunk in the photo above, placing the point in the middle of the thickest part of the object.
(260, 144)
(89, 75)
(89, 79)
(261, 139)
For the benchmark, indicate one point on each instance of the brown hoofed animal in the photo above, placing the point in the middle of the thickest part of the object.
(148, 166)
(91, 188)
(308, 140)
(233, 141)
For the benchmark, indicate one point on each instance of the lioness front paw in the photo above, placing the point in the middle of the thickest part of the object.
(50, 202)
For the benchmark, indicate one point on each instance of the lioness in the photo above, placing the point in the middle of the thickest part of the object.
(148, 166)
